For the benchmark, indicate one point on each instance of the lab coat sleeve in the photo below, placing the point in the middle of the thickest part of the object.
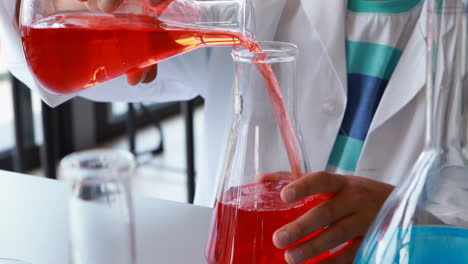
(179, 78)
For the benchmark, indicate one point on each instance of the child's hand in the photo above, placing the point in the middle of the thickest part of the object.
(347, 215)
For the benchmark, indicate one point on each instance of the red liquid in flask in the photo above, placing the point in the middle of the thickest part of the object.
(244, 222)
(69, 52)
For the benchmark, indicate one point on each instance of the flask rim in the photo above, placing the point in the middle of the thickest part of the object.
(97, 162)
(275, 52)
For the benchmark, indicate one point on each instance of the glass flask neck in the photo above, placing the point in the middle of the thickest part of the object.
(264, 153)
(254, 101)
(251, 97)
(263, 95)
(447, 84)
(209, 15)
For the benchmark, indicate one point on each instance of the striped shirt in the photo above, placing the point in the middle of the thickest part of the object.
(376, 35)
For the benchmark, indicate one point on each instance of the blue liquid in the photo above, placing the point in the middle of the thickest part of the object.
(427, 245)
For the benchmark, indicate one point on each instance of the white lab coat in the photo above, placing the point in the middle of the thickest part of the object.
(395, 137)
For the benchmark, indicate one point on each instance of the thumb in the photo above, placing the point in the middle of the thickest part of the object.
(134, 77)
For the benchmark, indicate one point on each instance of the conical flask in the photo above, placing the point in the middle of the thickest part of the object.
(70, 45)
(248, 206)
(425, 219)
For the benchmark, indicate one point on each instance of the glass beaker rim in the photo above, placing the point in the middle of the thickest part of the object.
(276, 51)
(99, 160)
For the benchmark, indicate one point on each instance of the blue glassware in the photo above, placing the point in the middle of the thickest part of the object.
(425, 219)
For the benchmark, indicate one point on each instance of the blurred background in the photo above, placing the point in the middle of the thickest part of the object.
(164, 137)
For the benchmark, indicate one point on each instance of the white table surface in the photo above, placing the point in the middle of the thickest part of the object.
(34, 226)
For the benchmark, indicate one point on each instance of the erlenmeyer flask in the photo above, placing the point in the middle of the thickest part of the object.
(425, 220)
(69, 47)
(248, 206)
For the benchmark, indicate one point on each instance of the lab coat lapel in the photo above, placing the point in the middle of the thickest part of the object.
(407, 79)
(329, 20)
(323, 105)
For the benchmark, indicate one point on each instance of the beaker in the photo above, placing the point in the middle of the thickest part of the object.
(70, 46)
(100, 207)
(256, 166)
(425, 219)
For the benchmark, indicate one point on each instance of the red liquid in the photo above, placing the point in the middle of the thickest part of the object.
(243, 224)
(69, 52)
(72, 51)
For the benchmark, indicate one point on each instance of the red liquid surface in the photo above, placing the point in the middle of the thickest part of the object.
(69, 52)
(244, 222)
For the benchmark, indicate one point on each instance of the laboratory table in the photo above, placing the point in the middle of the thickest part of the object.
(34, 226)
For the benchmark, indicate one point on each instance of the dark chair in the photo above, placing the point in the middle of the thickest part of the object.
(131, 129)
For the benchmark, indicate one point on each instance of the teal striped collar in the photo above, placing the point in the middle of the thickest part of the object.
(385, 6)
